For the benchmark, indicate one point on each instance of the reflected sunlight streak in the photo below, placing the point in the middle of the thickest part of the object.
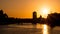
(45, 29)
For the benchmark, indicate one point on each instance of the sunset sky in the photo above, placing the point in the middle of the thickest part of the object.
(24, 8)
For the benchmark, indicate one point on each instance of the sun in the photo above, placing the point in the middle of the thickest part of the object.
(44, 12)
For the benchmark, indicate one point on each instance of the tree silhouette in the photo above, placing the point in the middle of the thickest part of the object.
(54, 19)
(5, 15)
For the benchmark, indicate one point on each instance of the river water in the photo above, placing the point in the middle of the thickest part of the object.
(28, 29)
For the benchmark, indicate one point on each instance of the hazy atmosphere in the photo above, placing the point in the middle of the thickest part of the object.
(29, 16)
(24, 8)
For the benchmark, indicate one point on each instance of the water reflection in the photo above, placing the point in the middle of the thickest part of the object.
(45, 29)
(33, 29)
(39, 26)
(27, 29)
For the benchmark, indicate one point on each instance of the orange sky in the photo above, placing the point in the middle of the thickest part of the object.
(24, 8)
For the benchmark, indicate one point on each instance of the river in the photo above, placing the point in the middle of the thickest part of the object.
(28, 29)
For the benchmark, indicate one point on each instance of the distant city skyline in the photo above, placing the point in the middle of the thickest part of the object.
(25, 8)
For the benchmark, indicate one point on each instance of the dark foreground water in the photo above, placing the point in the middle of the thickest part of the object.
(28, 29)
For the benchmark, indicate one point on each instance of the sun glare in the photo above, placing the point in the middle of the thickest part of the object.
(44, 12)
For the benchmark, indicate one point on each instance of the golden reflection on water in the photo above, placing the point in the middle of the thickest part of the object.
(39, 26)
(45, 29)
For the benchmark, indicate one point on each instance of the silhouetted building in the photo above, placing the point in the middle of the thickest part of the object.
(34, 15)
